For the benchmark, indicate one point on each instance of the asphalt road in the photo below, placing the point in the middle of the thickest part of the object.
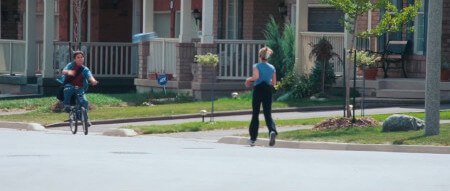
(56, 160)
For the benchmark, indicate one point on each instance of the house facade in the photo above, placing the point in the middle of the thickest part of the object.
(34, 52)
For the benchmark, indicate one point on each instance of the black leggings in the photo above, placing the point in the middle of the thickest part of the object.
(262, 93)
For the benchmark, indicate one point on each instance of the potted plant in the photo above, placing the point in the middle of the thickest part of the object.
(323, 52)
(368, 62)
(210, 60)
(445, 71)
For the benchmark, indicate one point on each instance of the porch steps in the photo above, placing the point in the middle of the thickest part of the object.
(29, 89)
(401, 93)
(406, 88)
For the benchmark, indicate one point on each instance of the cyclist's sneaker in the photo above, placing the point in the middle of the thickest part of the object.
(251, 142)
(89, 123)
(272, 136)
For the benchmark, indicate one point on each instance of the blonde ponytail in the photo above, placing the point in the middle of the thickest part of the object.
(265, 53)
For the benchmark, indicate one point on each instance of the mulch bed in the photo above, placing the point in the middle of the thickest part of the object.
(337, 123)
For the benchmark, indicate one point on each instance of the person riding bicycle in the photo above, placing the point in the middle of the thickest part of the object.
(76, 78)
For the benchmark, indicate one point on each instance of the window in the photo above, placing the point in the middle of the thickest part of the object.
(325, 20)
(419, 32)
(395, 35)
(293, 15)
(234, 19)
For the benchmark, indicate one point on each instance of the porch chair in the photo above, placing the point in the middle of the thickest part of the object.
(394, 53)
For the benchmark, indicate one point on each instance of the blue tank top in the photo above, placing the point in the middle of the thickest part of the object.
(266, 72)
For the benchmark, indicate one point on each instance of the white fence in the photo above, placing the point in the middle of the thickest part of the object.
(236, 58)
(12, 57)
(162, 59)
(102, 58)
(336, 40)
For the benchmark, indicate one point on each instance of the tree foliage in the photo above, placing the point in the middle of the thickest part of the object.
(283, 46)
(392, 21)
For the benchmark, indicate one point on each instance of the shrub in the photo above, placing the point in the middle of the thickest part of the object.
(283, 46)
(316, 77)
(293, 87)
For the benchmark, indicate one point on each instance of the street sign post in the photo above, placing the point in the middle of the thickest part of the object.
(162, 80)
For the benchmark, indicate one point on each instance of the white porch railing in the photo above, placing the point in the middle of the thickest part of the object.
(12, 56)
(336, 39)
(104, 59)
(236, 58)
(39, 56)
(162, 59)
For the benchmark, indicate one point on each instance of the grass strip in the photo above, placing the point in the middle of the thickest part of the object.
(368, 135)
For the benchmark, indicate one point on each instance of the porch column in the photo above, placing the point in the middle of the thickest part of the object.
(49, 35)
(185, 32)
(148, 16)
(433, 70)
(207, 22)
(135, 29)
(30, 40)
(302, 26)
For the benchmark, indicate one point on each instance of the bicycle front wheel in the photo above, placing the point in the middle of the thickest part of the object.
(73, 121)
(84, 120)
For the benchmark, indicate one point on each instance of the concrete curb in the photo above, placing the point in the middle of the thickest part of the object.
(22, 126)
(121, 133)
(340, 146)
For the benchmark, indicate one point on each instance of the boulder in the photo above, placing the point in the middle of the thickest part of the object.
(402, 123)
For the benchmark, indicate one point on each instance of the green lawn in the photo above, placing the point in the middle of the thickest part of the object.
(369, 135)
(120, 106)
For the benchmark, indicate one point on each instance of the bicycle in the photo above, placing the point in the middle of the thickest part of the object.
(77, 113)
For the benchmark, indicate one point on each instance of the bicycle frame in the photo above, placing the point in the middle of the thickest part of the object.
(78, 112)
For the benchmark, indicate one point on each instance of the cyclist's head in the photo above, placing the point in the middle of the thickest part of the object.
(75, 53)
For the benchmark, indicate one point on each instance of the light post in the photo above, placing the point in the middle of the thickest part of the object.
(234, 95)
(203, 113)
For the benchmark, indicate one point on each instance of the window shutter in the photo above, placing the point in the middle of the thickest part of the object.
(382, 38)
(240, 18)
(399, 5)
(220, 19)
(410, 35)
(425, 11)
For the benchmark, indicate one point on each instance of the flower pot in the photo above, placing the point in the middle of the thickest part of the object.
(152, 75)
(445, 74)
(169, 76)
(371, 73)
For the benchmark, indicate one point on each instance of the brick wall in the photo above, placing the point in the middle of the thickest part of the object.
(248, 19)
(64, 17)
(263, 10)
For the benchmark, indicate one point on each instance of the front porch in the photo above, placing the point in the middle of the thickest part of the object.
(395, 88)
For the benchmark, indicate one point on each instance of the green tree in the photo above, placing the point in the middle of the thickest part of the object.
(322, 52)
(392, 21)
(283, 46)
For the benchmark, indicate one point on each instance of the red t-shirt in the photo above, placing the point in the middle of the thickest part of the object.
(78, 81)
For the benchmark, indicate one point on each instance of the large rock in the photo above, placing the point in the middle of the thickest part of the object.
(402, 123)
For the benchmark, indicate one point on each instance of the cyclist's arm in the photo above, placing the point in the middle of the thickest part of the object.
(93, 81)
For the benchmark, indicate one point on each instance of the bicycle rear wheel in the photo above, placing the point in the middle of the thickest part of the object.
(84, 120)
(73, 121)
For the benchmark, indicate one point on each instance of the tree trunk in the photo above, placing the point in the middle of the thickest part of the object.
(323, 76)
(347, 77)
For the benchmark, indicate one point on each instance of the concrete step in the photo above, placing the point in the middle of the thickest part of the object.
(29, 89)
(402, 84)
(401, 93)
